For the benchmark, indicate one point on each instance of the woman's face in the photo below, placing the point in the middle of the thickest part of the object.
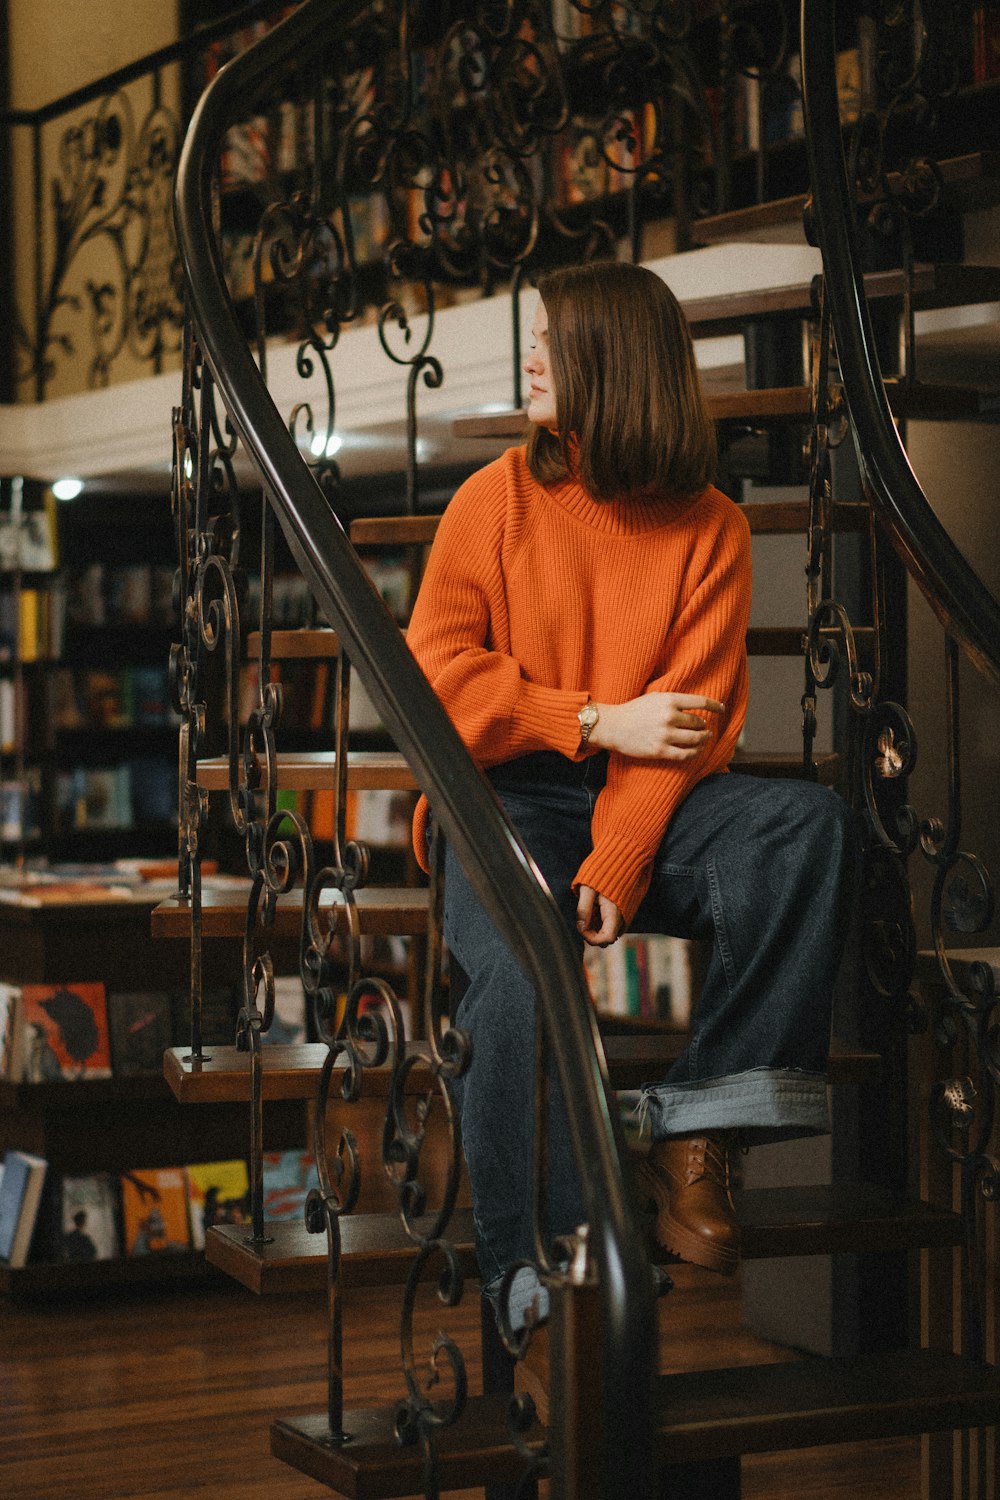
(541, 406)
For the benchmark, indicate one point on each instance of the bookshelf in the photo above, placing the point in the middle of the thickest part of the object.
(119, 1124)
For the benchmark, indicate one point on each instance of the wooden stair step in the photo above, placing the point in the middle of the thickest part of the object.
(934, 286)
(292, 1071)
(853, 1218)
(316, 645)
(776, 640)
(635, 1058)
(383, 911)
(704, 1414)
(766, 517)
(968, 182)
(779, 403)
(312, 643)
(314, 770)
(376, 1251)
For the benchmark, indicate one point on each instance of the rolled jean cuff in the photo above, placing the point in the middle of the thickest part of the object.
(763, 1104)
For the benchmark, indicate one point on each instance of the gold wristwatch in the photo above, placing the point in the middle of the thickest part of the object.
(588, 717)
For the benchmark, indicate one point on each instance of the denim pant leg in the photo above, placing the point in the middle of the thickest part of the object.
(766, 870)
(495, 1098)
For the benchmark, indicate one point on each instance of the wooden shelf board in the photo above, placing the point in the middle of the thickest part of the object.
(47, 1280)
(84, 1094)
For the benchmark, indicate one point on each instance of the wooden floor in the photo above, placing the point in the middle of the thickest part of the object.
(171, 1396)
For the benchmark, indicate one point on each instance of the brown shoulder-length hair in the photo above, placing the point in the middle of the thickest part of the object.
(630, 413)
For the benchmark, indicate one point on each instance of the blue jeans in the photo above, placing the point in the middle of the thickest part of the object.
(765, 870)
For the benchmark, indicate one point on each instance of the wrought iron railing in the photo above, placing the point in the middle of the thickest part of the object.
(97, 296)
(452, 134)
(226, 401)
(95, 182)
(962, 1109)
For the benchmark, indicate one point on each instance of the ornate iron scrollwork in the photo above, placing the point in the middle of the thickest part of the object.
(114, 283)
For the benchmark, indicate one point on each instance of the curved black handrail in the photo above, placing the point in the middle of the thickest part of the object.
(495, 860)
(956, 593)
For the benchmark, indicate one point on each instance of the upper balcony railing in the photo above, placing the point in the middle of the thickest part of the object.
(662, 119)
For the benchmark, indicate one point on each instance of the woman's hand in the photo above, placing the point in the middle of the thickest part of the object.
(657, 726)
(597, 917)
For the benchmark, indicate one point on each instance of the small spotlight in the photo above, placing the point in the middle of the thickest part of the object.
(67, 489)
(319, 446)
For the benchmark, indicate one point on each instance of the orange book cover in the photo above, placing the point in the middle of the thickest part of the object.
(65, 1032)
(155, 1211)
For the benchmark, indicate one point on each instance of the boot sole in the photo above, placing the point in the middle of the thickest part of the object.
(683, 1243)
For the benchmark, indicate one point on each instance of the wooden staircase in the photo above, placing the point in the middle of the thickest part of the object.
(705, 1418)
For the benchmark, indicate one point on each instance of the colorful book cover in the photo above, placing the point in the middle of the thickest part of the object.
(288, 1178)
(218, 1193)
(89, 1220)
(66, 1032)
(20, 1197)
(155, 1211)
(140, 1026)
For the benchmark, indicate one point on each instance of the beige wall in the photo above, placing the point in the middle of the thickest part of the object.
(56, 48)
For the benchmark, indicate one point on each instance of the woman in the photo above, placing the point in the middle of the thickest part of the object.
(583, 618)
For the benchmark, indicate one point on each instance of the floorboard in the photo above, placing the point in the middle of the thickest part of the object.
(170, 1396)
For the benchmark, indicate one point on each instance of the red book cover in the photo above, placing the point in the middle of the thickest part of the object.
(65, 1032)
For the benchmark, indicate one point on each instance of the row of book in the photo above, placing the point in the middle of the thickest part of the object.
(99, 594)
(21, 807)
(150, 1211)
(644, 975)
(32, 624)
(81, 1031)
(78, 1031)
(109, 698)
(141, 791)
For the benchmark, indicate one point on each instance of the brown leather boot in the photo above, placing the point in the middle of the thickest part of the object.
(689, 1179)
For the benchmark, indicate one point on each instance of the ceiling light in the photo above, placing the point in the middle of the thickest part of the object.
(67, 489)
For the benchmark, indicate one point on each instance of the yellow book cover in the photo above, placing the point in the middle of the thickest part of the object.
(28, 638)
(218, 1193)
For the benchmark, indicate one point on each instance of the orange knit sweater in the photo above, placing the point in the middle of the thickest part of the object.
(535, 598)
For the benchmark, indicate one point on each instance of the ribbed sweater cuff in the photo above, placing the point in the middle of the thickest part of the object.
(544, 716)
(618, 870)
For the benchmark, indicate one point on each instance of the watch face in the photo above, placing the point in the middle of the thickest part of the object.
(588, 716)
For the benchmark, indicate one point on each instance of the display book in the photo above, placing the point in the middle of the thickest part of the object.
(82, 1219)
